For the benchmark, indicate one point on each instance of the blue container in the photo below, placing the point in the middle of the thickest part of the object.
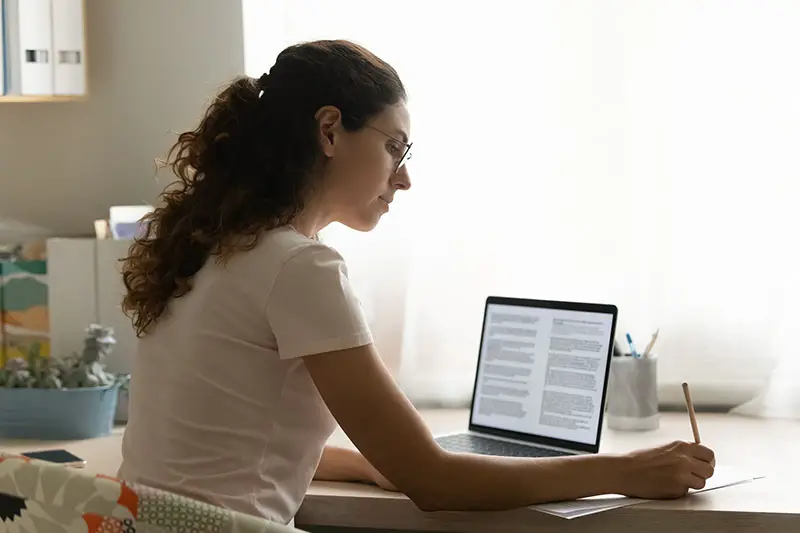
(57, 414)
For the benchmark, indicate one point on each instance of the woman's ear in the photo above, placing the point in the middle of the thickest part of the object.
(329, 120)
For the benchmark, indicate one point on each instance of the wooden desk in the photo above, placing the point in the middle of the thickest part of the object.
(767, 447)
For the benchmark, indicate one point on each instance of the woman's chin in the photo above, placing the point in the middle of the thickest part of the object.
(366, 219)
(363, 223)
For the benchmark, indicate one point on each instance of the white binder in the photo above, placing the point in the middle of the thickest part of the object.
(68, 48)
(29, 47)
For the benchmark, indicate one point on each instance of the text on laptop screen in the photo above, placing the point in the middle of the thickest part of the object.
(542, 371)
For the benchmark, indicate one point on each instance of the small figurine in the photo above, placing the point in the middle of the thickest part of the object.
(89, 371)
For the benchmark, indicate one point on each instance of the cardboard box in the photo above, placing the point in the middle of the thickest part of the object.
(24, 313)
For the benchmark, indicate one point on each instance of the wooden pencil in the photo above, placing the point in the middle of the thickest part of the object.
(690, 406)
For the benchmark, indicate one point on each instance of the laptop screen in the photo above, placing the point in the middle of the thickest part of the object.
(542, 371)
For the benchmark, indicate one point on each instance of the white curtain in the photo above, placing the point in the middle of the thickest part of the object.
(641, 153)
(781, 397)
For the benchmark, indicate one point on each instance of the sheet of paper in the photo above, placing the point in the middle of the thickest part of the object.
(723, 477)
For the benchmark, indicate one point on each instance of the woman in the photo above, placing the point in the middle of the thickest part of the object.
(253, 345)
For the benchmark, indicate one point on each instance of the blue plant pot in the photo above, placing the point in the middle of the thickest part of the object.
(57, 414)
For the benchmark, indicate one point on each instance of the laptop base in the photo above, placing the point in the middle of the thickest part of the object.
(470, 443)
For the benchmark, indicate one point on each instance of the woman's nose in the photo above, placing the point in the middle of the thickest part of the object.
(401, 179)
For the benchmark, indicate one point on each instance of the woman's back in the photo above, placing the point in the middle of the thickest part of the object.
(215, 412)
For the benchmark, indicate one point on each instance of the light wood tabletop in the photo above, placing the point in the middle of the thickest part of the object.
(759, 447)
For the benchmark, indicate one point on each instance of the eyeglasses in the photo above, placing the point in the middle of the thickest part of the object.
(406, 153)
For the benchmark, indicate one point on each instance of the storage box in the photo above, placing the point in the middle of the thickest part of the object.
(85, 287)
(24, 316)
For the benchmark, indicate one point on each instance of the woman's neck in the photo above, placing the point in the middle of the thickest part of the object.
(310, 222)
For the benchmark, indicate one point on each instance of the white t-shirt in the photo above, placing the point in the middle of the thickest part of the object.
(222, 407)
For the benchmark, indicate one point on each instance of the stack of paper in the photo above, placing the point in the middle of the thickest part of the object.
(723, 477)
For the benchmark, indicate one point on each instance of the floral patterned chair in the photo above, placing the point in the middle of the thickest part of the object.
(40, 497)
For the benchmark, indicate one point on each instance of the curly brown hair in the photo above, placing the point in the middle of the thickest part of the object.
(247, 166)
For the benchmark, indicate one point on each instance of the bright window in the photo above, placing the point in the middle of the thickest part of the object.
(642, 153)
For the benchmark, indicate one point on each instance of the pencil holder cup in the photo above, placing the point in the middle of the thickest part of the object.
(632, 403)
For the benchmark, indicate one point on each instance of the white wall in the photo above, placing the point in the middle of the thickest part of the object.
(152, 66)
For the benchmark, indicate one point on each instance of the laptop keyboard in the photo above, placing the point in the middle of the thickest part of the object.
(467, 443)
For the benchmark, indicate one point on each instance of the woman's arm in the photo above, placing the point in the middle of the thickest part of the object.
(392, 436)
(343, 464)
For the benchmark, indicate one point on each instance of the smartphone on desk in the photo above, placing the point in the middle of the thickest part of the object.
(62, 457)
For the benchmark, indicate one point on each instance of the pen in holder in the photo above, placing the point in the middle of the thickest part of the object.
(632, 402)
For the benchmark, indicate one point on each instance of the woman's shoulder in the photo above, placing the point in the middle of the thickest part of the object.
(284, 254)
(302, 265)
(288, 245)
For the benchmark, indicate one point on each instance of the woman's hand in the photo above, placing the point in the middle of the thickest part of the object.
(667, 471)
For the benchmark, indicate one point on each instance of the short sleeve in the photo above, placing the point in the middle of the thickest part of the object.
(312, 307)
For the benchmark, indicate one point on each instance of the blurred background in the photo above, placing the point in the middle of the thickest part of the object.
(640, 153)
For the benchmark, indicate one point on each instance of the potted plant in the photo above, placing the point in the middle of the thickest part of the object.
(51, 398)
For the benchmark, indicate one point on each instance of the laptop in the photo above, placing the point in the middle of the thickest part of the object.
(541, 381)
